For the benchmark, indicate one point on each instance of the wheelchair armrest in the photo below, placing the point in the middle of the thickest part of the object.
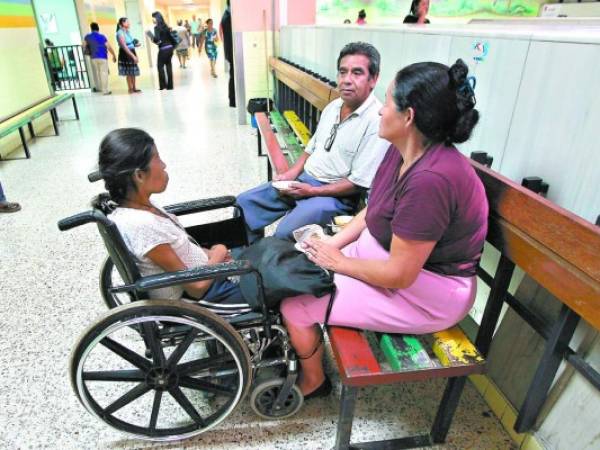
(186, 276)
(195, 206)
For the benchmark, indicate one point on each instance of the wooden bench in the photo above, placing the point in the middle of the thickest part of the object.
(281, 145)
(28, 115)
(301, 97)
(554, 247)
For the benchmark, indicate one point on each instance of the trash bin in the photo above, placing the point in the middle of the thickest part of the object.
(258, 105)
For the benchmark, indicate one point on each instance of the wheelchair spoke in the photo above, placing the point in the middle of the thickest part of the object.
(182, 348)
(152, 340)
(126, 399)
(183, 401)
(155, 409)
(211, 362)
(193, 383)
(129, 355)
(114, 375)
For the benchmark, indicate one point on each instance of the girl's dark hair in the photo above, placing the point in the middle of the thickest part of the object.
(120, 22)
(122, 151)
(160, 20)
(442, 99)
(362, 14)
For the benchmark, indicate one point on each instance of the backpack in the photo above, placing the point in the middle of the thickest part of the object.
(175, 37)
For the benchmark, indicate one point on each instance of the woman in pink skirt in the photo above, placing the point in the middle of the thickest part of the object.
(406, 263)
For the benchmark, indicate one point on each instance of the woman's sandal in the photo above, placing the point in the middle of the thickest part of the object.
(322, 391)
(9, 207)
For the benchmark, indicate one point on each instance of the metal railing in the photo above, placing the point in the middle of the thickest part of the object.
(66, 66)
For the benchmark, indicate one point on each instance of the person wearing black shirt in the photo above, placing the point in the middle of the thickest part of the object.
(227, 38)
(418, 12)
(166, 46)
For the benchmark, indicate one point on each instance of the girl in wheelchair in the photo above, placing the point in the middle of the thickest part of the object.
(132, 170)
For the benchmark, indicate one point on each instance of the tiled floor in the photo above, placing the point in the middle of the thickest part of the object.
(48, 281)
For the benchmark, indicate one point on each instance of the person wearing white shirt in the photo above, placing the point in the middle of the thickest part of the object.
(339, 161)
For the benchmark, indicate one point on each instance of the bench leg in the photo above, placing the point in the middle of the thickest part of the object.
(556, 346)
(24, 142)
(54, 116)
(344, 428)
(31, 130)
(259, 143)
(445, 413)
(75, 108)
(494, 303)
(269, 170)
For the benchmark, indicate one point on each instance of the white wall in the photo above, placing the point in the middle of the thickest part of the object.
(538, 92)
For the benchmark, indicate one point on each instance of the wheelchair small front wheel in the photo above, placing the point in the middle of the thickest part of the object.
(109, 277)
(177, 391)
(263, 396)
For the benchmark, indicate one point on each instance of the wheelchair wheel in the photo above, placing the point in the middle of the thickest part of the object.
(263, 397)
(109, 277)
(175, 393)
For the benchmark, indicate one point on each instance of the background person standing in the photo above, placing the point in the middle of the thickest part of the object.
(183, 47)
(196, 30)
(210, 40)
(166, 46)
(128, 60)
(227, 37)
(98, 48)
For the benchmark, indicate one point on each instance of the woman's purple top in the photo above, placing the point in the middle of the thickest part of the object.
(440, 198)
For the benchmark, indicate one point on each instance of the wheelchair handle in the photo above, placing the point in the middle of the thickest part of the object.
(94, 176)
(82, 219)
(196, 206)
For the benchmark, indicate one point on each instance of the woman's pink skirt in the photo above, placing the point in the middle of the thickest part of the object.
(432, 303)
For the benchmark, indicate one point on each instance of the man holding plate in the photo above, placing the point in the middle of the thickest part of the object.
(338, 163)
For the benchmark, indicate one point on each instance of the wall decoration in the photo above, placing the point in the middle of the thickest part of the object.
(16, 14)
(48, 23)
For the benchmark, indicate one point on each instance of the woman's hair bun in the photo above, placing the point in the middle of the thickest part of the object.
(458, 74)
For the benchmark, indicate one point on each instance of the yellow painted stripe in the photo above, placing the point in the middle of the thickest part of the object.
(453, 347)
(298, 126)
(17, 22)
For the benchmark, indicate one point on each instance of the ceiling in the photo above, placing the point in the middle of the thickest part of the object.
(199, 3)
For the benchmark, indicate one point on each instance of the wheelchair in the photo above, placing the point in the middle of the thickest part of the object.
(168, 370)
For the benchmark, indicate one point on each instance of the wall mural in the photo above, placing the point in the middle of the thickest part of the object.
(16, 14)
(378, 11)
(462, 8)
(101, 11)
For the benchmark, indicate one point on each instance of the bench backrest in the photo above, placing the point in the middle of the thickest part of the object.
(316, 92)
(556, 248)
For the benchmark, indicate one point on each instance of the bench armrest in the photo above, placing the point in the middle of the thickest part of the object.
(196, 206)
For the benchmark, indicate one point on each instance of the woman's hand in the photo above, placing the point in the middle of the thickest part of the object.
(325, 255)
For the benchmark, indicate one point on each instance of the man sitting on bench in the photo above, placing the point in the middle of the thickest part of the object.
(339, 161)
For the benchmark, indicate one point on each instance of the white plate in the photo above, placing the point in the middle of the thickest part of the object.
(342, 220)
(282, 185)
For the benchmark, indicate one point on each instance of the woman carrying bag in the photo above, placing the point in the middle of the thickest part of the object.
(128, 60)
(166, 46)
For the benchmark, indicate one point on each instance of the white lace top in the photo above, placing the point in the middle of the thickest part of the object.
(142, 231)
